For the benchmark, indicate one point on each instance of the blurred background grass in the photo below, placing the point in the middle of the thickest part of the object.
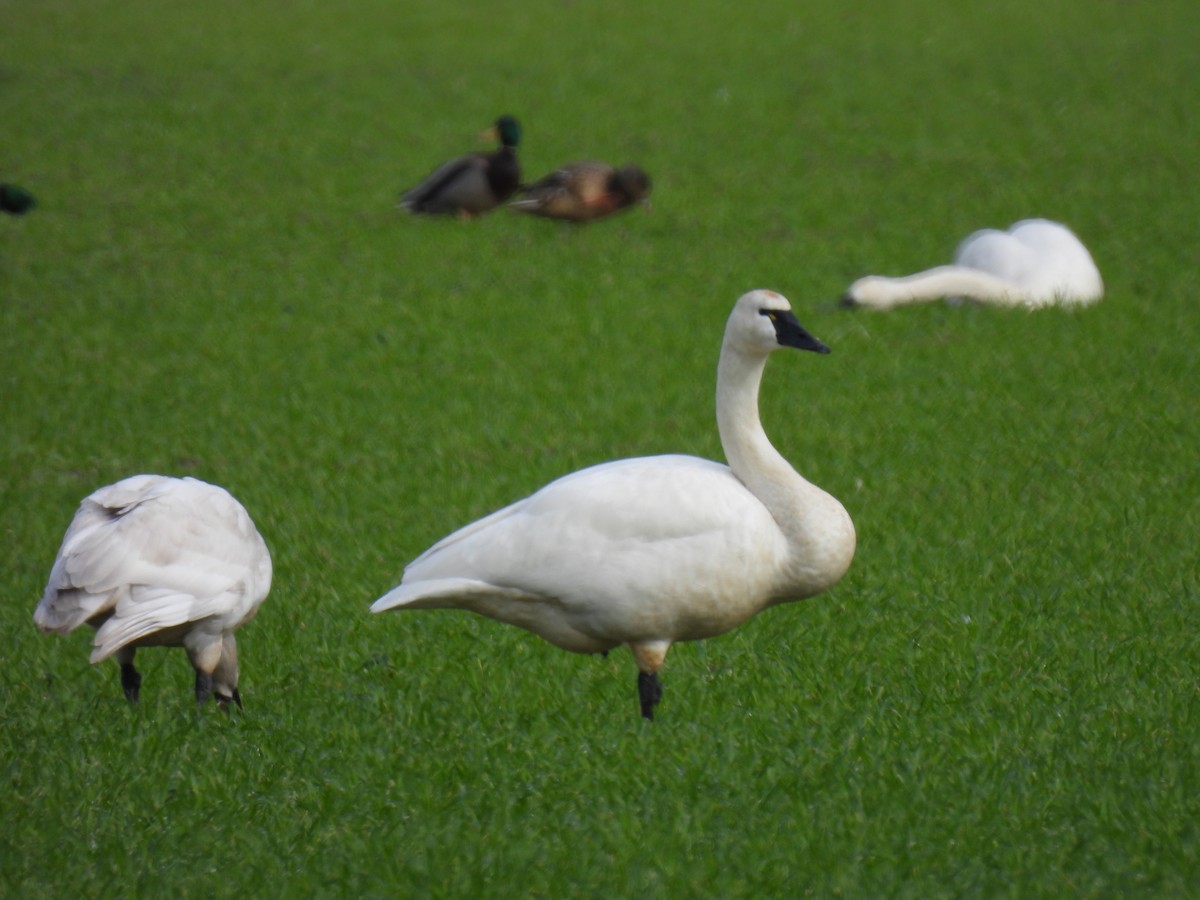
(999, 699)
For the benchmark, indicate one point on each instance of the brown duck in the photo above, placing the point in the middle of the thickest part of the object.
(583, 191)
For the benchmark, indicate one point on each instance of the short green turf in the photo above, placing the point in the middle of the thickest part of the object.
(1001, 698)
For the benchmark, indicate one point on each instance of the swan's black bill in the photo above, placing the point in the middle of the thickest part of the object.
(790, 333)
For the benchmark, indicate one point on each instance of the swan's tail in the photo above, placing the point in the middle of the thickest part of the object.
(439, 593)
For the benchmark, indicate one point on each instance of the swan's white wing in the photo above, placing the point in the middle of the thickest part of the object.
(650, 505)
(157, 552)
(1045, 259)
(1064, 268)
(644, 538)
(90, 564)
(140, 613)
(144, 611)
(997, 253)
(462, 534)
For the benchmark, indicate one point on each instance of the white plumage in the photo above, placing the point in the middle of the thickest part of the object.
(1035, 263)
(158, 561)
(653, 550)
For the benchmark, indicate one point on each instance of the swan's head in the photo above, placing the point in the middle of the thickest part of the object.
(762, 321)
(225, 675)
(873, 291)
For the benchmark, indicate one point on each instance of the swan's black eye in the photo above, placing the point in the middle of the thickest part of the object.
(769, 313)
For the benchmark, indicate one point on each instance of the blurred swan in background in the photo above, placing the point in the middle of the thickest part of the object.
(1035, 263)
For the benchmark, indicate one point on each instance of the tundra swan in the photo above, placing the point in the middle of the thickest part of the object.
(1035, 263)
(158, 561)
(652, 550)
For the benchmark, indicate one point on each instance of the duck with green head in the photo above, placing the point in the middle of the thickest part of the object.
(474, 183)
(583, 191)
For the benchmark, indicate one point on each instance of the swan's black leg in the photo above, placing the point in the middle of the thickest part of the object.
(649, 692)
(131, 681)
(204, 686)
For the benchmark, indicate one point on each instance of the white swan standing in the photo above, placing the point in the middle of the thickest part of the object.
(1035, 263)
(158, 561)
(653, 550)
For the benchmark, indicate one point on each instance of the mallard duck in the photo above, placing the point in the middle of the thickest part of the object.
(158, 561)
(15, 200)
(647, 551)
(472, 184)
(582, 191)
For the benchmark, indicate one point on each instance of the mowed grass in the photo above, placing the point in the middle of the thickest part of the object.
(1000, 698)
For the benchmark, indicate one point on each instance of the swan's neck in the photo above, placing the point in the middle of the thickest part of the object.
(819, 534)
(753, 458)
(932, 284)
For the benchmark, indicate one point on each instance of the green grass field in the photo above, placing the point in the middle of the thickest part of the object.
(1002, 697)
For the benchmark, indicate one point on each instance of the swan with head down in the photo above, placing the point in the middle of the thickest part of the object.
(1035, 263)
(158, 561)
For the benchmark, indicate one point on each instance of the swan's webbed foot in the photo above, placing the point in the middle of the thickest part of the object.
(649, 693)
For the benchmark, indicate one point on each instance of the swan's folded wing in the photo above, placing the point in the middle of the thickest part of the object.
(177, 539)
(94, 558)
(467, 531)
(187, 592)
(63, 609)
(140, 613)
(440, 593)
(1064, 269)
(998, 253)
(595, 531)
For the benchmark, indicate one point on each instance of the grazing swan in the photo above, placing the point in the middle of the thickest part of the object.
(584, 191)
(474, 183)
(157, 561)
(658, 549)
(1035, 263)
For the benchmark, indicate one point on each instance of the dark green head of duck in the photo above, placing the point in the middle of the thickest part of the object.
(508, 130)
